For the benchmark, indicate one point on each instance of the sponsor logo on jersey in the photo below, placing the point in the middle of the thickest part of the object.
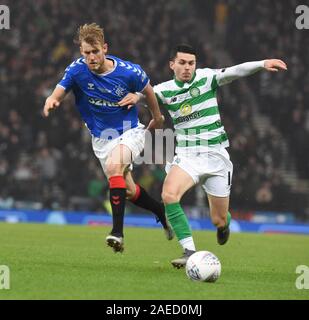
(193, 116)
(185, 109)
(102, 102)
(104, 90)
(90, 86)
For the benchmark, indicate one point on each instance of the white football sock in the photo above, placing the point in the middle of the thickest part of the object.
(187, 243)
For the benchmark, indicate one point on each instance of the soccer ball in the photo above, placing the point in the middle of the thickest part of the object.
(203, 266)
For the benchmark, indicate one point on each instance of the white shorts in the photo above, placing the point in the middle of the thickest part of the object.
(213, 169)
(134, 139)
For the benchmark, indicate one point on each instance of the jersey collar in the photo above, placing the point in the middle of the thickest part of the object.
(181, 84)
(110, 71)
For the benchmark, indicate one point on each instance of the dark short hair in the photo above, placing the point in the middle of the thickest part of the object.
(184, 48)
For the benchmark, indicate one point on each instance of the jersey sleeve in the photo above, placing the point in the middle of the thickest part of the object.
(139, 79)
(67, 81)
(227, 75)
(159, 95)
(211, 76)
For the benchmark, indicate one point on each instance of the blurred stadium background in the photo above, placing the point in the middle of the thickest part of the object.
(49, 164)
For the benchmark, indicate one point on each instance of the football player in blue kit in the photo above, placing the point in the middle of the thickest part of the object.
(104, 87)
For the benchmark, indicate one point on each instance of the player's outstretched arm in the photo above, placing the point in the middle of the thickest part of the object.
(54, 100)
(151, 101)
(230, 74)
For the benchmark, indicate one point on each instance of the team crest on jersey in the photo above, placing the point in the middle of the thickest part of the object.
(195, 92)
(119, 91)
(185, 109)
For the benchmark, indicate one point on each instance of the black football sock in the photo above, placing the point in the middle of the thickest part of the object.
(117, 198)
(145, 201)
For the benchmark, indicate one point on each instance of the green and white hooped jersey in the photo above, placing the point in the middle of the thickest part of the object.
(194, 109)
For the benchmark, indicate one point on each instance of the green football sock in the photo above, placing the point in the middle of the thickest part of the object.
(178, 220)
(229, 217)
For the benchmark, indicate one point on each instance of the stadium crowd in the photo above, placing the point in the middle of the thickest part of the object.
(285, 97)
(50, 163)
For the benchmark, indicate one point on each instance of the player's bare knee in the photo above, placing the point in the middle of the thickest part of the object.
(169, 196)
(112, 169)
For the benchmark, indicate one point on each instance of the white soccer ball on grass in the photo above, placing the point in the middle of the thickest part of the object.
(203, 266)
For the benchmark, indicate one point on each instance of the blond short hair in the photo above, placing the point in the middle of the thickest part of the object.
(91, 33)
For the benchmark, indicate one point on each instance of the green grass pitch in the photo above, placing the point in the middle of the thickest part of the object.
(73, 262)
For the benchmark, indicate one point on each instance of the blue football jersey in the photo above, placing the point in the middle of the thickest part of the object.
(97, 96)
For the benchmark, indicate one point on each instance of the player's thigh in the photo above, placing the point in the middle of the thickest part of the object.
(121, 154)
(118, 160)
(176, 183)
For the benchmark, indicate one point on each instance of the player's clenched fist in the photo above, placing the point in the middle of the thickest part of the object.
(275, 65)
